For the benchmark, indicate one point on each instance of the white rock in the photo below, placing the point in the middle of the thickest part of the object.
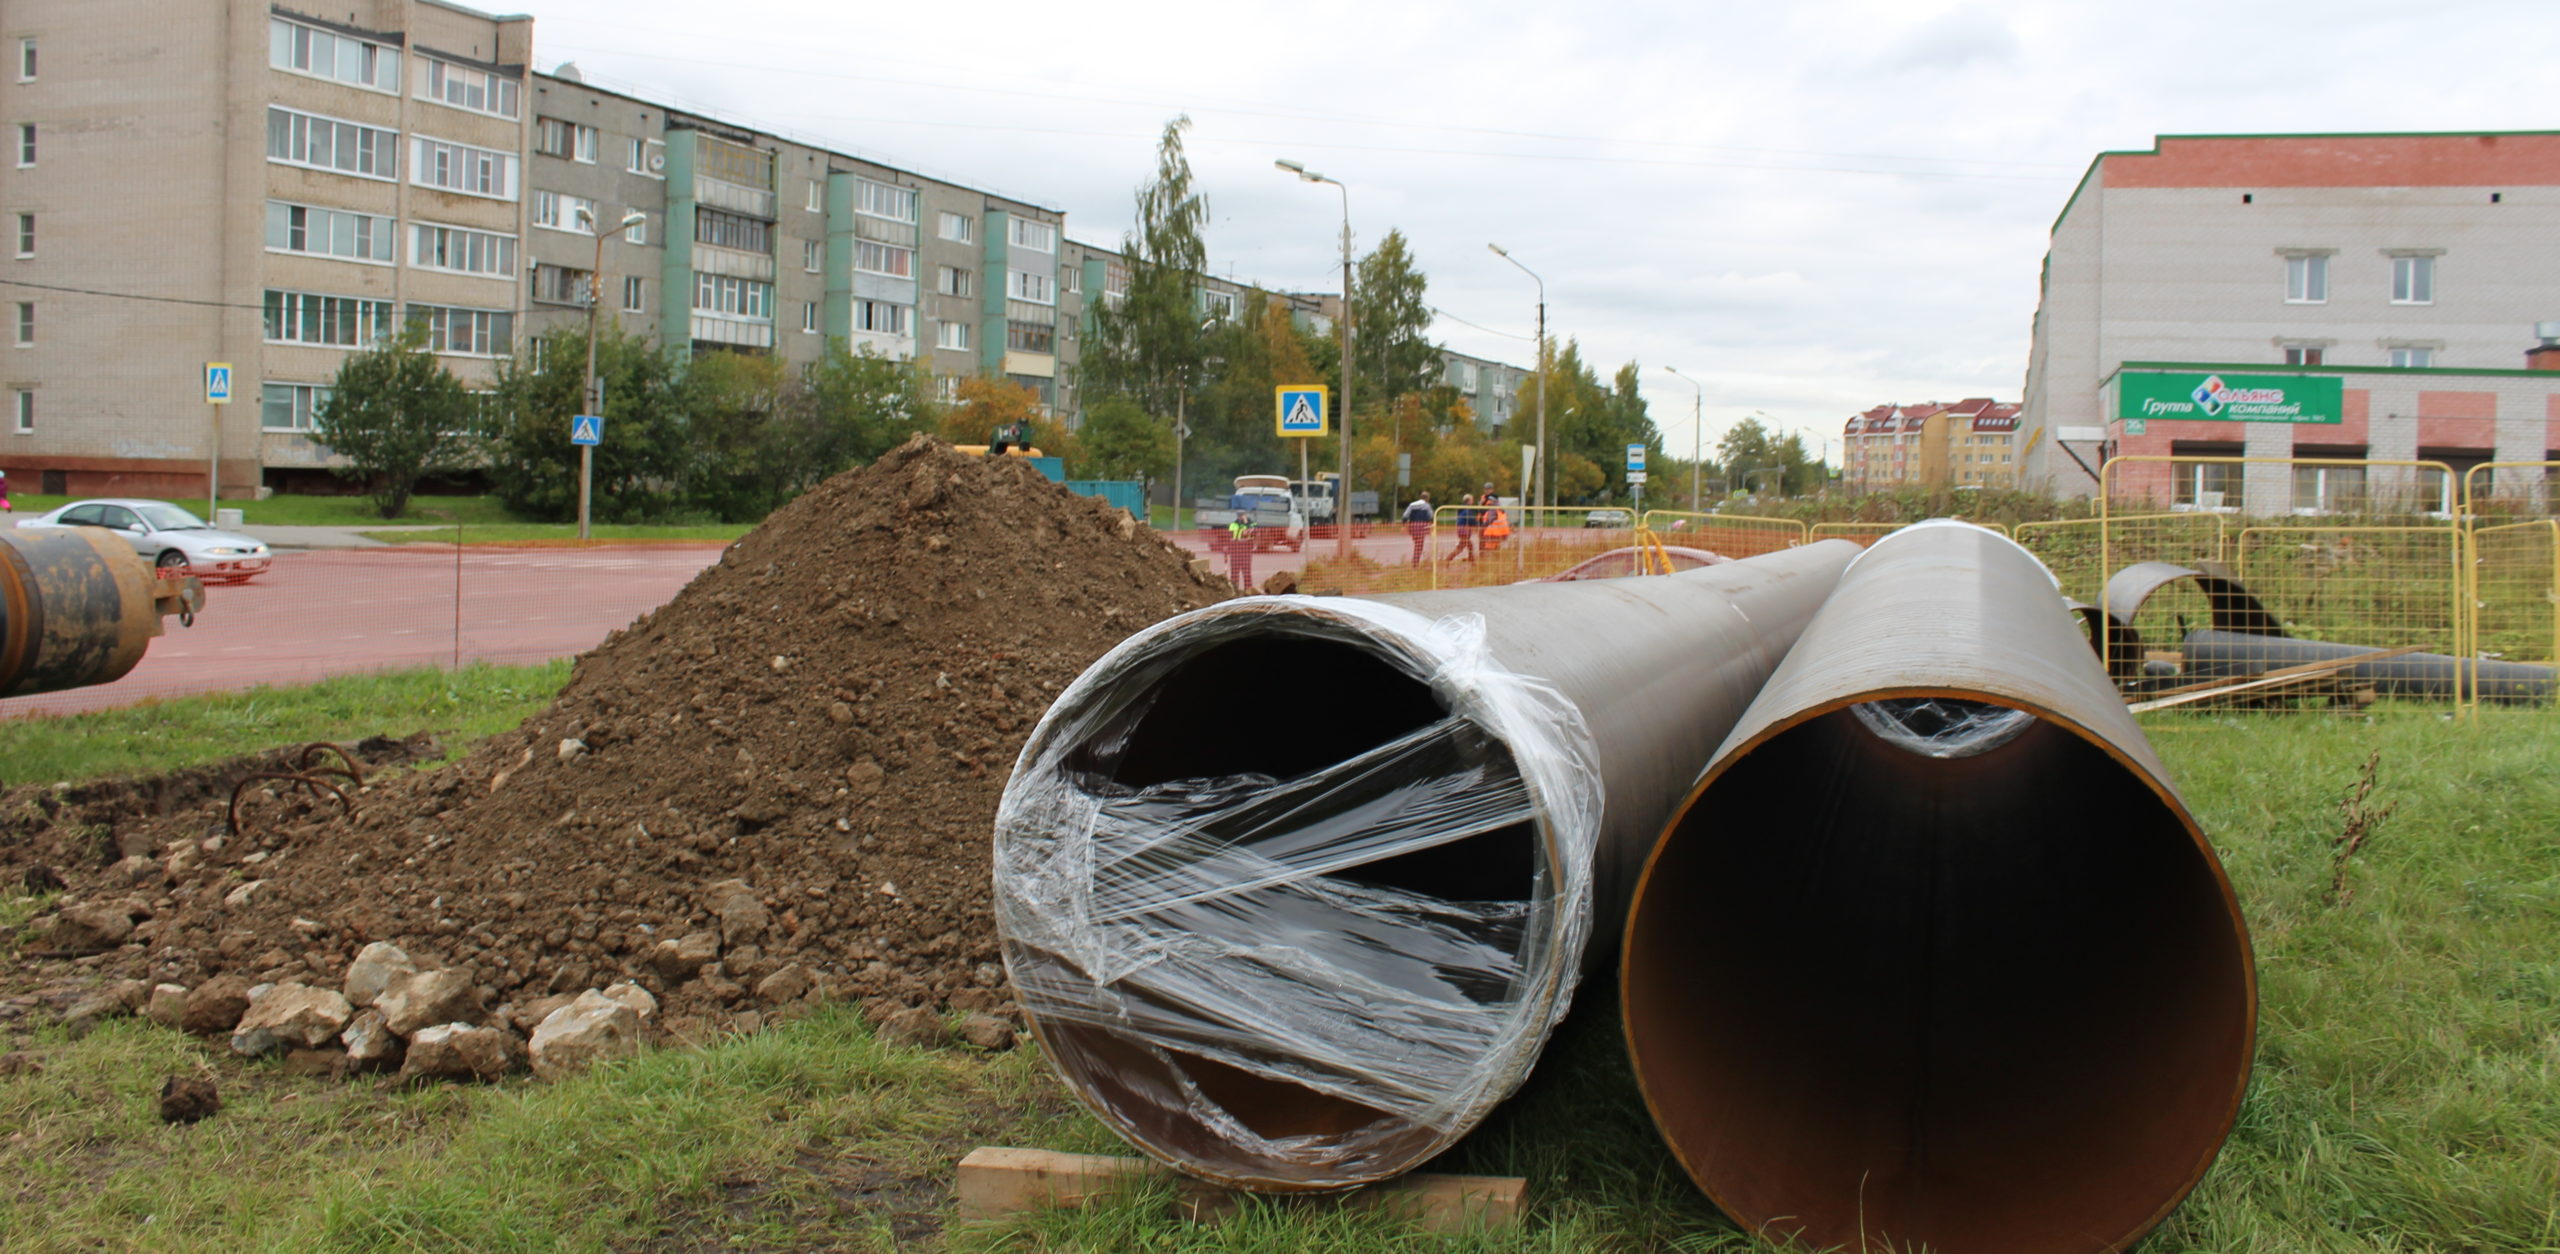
(636, 997)
(572, 749)
(244, 894)
(369, 1040)
(376, 965)
(167, 1005)
(461, 1051)
(423, 998)
(577, 1035)
(287, 1015)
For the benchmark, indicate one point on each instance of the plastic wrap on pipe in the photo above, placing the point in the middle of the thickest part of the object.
(1934, 956)
(1292, 889)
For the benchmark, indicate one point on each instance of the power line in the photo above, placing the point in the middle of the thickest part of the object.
(1478, 326)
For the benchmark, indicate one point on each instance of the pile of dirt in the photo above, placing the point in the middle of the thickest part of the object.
(824, 720)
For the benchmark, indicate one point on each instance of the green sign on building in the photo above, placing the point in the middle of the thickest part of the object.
(2217, 396)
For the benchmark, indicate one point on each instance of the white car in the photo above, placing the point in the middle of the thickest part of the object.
(166, 536)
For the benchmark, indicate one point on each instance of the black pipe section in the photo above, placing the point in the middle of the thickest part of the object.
(1934, 956)
(1292, 889)
(2429, 676)
(78, 607)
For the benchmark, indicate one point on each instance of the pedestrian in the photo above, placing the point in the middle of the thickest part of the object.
(1417, 523)
(4, 492)
(1240, 550)
(1497, 526)
(1467, 520)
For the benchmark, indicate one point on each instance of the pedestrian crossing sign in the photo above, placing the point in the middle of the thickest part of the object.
(1300, 409)
(586, 429)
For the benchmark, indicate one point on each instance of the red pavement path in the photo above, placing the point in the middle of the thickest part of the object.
(341, 611)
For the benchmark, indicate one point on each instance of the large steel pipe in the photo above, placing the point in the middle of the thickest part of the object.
(1934, 956)
(1292, 889)
(78, 607)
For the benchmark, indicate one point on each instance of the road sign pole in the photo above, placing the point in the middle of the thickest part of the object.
(213, 462)
(586, 481)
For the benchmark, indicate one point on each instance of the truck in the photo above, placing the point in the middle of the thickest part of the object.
(1272, 506)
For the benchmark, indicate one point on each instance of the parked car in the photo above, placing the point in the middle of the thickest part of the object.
(1618, 518)
(1634, 560)
(167, 536)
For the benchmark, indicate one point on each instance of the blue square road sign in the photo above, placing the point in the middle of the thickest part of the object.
(586, 429)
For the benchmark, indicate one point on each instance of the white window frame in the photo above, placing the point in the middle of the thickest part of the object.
(732, 297)
(1038, 237)
(26, 235)
(27, 59)
(959, 281)
(648, 158)
(26, 145)
(483, 329)
(287, 39)
(551, 286)
(372, 318)
(23, 326)
(968, 227)
(817, 197)
(558, 211)
(583, 140)
(868, 315)
(2410, 356)
(883, 201)
(302, 401)
(429, 155)
(23, 412)
(2413, 278)
(319, 221)
(634, 294)
(383, 142)
(809, 317)
(1071, 278)
(813, 255)
(956, 336)
(1031, 287)
(2306, 279)
(638, 231)
(2306, 354)
(440, 81)
(1220, 305)
(873, 257)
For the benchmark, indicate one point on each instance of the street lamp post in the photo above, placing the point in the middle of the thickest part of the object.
(1697, 437)
(1342, 505)
(1543, 477)
(594, 399)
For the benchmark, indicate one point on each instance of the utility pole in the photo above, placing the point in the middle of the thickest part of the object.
(1342, 507)
(1697, 438)
(591, 396)
(1544, 475)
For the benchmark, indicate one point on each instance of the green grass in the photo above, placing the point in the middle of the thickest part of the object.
(285, 510)
(459, 705)
(2406, 1097)
(552, 533)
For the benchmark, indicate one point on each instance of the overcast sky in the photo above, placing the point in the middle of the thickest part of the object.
(1809, 208)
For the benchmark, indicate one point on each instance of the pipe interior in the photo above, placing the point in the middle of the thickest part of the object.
(1992, 1003)
(1283, 706)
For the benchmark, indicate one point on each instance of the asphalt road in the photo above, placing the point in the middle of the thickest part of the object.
(335, 612)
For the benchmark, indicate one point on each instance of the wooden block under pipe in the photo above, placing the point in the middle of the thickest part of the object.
(997, 1181)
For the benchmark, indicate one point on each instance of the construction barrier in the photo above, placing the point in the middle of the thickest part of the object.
(1866, 533)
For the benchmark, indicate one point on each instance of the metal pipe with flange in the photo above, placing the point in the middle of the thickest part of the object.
(78, 607)
(1283, 949)
(1934, 956)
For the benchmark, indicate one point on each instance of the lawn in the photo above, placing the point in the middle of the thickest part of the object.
(322, 511)
(2406, 1098)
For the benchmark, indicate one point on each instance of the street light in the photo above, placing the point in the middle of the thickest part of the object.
(1342, 506)
(593, 398)
(1697, 436)
(1498, 251)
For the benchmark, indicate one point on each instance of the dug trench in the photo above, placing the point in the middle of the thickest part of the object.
(773, 791)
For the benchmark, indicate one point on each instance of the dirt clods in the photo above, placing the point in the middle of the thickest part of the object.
(188, 1099)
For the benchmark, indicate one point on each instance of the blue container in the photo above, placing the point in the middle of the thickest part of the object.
(1128, 494)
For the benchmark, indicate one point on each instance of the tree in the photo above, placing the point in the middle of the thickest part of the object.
(860, 404)
(639, 469)
(1394, 354)
(1122, 442)
(988, 402)
(395, 415)
(1150, 345)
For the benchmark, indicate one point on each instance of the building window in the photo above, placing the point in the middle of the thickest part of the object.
(731, 230)
(560, 285)
(954, 281)
(308, 139)
(813, 255)
(960, 228)
(328, 232)
(290, 406)
(1038, 289)
(809, 318)
(723, 294)
(2413, 280)
(26, 145)
(631, 293)
(881, 200)
(717, 158)
(2306, 279)
(26, 235)
(2303, 354)
(1039, 237)
(326, 54)
(23, 406)
(555, 138)
(480, 91)
(1072, 278)
(817, 197)
(884, 259)
(2328, 489)
(26, 60)
(329, 321)
(638, 231)
(953, 335)
(1030, 337)
(883, 318)
(2412, 357)
(946, 389)
(26, 324)
(574, 214)
(649, 158)
(462, 168)
(466, 332)
(1220, 305)
(2207, 485)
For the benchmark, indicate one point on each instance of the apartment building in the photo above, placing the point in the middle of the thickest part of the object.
(2364, 297)
(1490, 388)
(253, 184)
(1969, 443)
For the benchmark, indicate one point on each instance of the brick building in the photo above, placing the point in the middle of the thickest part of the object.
(1970, 443)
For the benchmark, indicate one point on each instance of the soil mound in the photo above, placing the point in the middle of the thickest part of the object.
(779, 785)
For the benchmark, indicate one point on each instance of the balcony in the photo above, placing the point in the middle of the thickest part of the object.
(754, 202)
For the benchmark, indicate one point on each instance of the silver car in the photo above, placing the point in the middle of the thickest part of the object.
(167, 537)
